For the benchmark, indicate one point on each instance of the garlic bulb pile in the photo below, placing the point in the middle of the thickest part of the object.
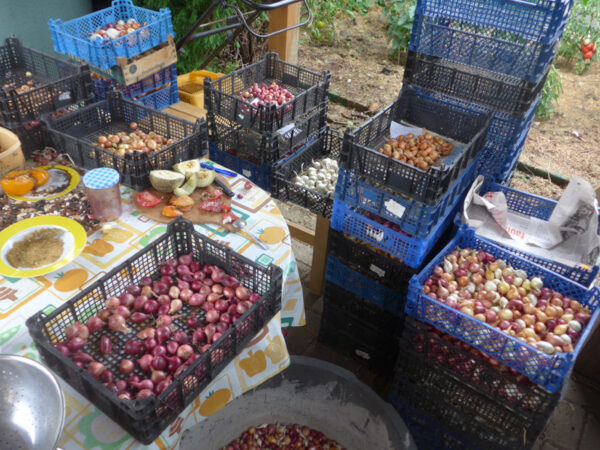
(320, 176)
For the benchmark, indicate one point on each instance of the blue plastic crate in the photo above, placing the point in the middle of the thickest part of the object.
(531, 205)
(364, 287)
(534, 20)
(161, 99)
(549, 371)
(259, 175)
(155, 81)
(498, 160)
(415, 218)
(481, 46)
(73, 37)
(411, 250)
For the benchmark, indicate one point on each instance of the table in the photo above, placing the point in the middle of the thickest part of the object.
(86, 427)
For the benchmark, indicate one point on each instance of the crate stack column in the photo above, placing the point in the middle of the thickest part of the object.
(32, 84)
(492, 56)
(252, 135)
(128, 48)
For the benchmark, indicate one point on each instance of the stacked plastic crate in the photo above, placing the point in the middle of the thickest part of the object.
(388, 215)
(32, 84)
(250, 134)
(116, 42)
(494, 56)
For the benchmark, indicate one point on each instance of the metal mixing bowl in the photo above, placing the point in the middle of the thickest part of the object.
(32, 406)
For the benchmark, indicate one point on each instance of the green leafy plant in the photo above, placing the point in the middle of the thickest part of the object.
(584, 23)
(326, 14)
(184, 14)
(552, 90)
(400, 16)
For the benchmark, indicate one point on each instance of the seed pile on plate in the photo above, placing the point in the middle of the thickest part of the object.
(277, 436)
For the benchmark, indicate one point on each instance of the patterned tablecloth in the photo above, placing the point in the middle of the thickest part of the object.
(86, 427)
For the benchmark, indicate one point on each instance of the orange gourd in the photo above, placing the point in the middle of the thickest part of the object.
(17, 183)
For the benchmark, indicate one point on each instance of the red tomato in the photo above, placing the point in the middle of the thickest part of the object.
(211, 205)
(588, 55)
(147, 199)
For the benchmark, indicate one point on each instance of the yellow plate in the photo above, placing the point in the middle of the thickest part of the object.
(74, 239)
(30, 197)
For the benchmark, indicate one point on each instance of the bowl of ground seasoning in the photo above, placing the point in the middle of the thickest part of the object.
(39, 245)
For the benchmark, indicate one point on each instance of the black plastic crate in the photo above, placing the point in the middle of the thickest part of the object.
(428, 434)
(360, 149)
(491, 89)
(371, 262)
(266, 148)
(337, 300)
(504, 386)
(59, 84)
(76, 134)
(146, 419)
(327, 145)
(310, 90)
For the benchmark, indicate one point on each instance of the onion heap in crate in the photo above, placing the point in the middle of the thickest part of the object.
(479, 285)
(320, 175)
(115, 31)
(158, 354)
(263, 94)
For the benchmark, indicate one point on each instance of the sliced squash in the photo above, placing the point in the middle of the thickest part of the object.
(188, 187)
(165, 180)
(187, 168)
(204, 178)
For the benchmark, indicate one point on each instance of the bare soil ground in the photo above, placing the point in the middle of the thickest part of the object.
(363, 72)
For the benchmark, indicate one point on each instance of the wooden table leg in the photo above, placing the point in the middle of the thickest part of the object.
(319, 261)
(285, 44)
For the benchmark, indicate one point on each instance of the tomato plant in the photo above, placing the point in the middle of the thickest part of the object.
(550, 94)
(400, 17)
(582, 28)
(326, 14)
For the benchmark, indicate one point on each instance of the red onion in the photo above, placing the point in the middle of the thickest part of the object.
(230, 281)
(225, 318)
(167, 279)
(107, 376)
(104, 314)
(133, 347)
(127, 299)
(192, 321)
(174, 292)
(212, 297)
(122, 384)
(221, 305)
(217, 288)
(185, 259)
(123, 311)
(216, 337)
(205, 290)
(222, 327)
(195, 285)
(183, 270)
(207, 306)
(146, 333)
(162, 386)
(174, 362)
(146, 281)
(116, 322)
(198, 337)
(167, 270)
(254, 297)
(163, 334)
(235, 317)
(199, 275)
(160, 288)
(242, 293)
(139, 302)
(228, 292)
(159, 362)
(157, 376)
(196, 300)
(188, 278)
(94, 324)
(126, 367)
(159, 350)
(75, 343)
(184, 351)
(172, 347)
(112, 303)
(138, 317)
(195, 266)
(208, 282)
(212, 316)
(181, 337)
(144, 362)
(134, 290)
(149, 344)
(163, 299)
(63, 349)
(95, 369)
(163, 310)
(164, 320)
(186, 294)
(82, 357)
(105, 345)
(151, 307)
(182, 284)
(210, 330)
(144, 393)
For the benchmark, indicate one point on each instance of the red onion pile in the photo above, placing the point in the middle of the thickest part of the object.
(263, 94)
(490, 290)
(204, 298)
(275, 436)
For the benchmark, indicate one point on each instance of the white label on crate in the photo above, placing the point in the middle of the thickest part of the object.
(246, 173)
(375, 234)
(289, 131)
(64, 96)
(363, 355)
(394, 207)
(379, 271)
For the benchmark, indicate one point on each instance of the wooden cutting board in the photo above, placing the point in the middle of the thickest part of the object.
(195, 215)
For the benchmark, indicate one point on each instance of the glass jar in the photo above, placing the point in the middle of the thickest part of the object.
(102, 188)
